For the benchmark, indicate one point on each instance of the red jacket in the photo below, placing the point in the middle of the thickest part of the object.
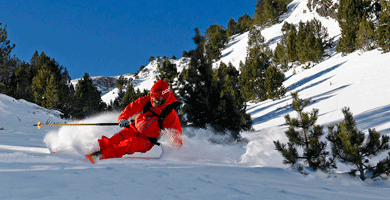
(148, 125)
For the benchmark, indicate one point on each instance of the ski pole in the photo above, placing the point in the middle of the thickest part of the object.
(39, 125)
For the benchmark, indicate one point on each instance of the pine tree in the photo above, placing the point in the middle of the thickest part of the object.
(231, 27)
(257, 61)
(365, 36)
(87, 98)
(6, 64)
(130, 95)
(52, 94)
(216, 39)
(39, 84)
(67, 97)
(313, 50)
(118, 103)
(312, 39)
(22, 79)
(266, 12)
(280, 56)
(230, 115)
(34, 65)
(307, 44)
(291, 42)
(321, 34)
(198, 85)
(305, 134)
(167, 72)
(244, 23)
(185, 54)
(382, 167)
(46, 89)
(50, 73)
(120, 82)
(382, 33)
(151, 58)
(211, 97)
(301, 48)
(350, 14)
(350, 146)
(274, 83)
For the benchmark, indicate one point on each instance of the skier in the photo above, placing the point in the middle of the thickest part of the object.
(156, 113)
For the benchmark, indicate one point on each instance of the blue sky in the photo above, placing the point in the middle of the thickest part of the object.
(109, 38)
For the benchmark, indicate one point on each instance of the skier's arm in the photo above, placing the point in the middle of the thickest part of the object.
(133, 108)
(172, 124)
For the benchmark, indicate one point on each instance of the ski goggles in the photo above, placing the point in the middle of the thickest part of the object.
(157, 94)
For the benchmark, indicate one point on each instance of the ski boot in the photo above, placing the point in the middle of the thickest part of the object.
(93, 156)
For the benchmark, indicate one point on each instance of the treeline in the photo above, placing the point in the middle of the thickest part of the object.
(46, 83)
(216, 36)
(364, 25)
(348, 145)
(307, 44)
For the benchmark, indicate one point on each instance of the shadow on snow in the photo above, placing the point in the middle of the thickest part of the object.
(287, 109)
(310, 78)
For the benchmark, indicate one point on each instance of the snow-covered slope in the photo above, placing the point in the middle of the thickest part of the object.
(201, 170)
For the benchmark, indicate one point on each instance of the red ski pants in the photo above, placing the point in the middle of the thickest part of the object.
(127, 141)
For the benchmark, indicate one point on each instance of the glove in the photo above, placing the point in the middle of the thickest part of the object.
(124, 123)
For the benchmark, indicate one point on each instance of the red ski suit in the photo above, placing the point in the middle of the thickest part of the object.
(136, 137)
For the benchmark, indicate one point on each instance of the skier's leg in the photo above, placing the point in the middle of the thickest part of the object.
(138, 144)
(125, 133)
(129, 146)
